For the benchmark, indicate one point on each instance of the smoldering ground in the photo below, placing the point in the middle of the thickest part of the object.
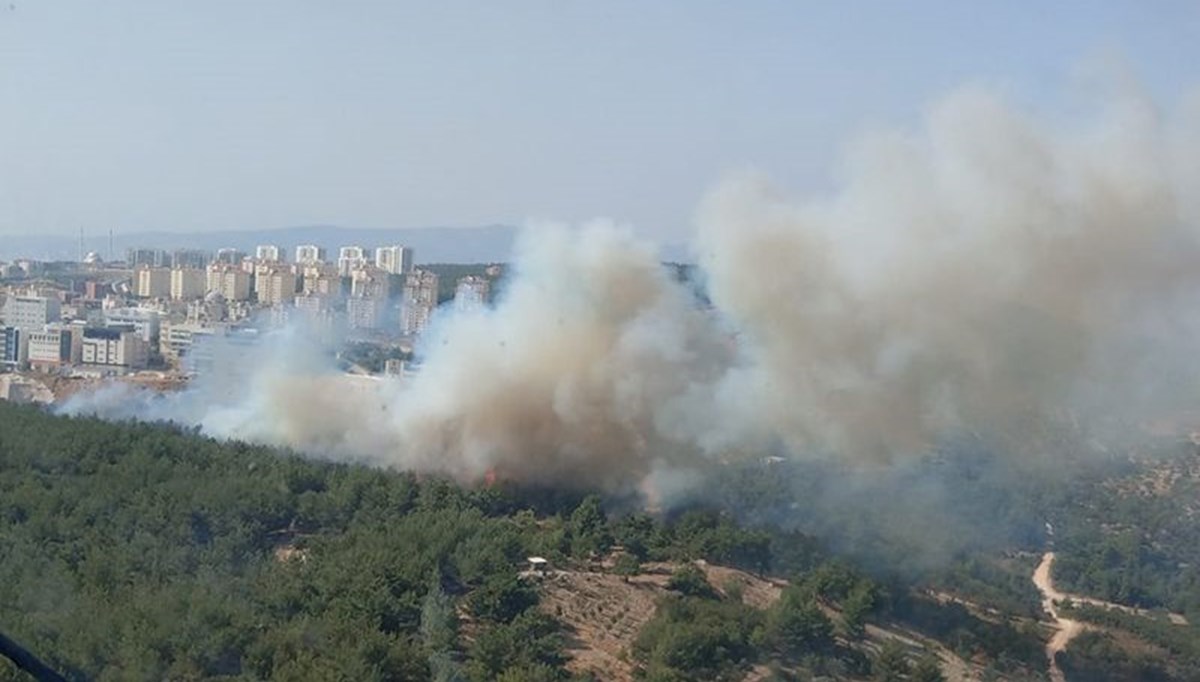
(987, 273)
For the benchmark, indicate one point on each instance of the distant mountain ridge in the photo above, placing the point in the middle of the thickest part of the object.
(488, 243)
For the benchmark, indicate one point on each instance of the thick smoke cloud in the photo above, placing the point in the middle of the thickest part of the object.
(596, 370)
(593, 370)
(983, 274)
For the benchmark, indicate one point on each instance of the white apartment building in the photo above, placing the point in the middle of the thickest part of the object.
(190, 258)
(310, 254)
(394, 259)
(211, 308)
(152, 283)
(230, 256)
(419, 302)
(349, 258)
(188, 284)
(471, 293)
(147, 257)
(325, 285)
(269, 253)
(311, 304)
(365, 313)
(231, 282)
(321, 279)
(275, 286)
(368, 281)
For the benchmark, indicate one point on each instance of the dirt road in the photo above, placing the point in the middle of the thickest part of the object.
(1067, 628)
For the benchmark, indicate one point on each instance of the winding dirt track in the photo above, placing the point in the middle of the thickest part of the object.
(1067, 628)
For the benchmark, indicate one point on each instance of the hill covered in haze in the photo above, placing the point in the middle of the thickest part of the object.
(432, 244)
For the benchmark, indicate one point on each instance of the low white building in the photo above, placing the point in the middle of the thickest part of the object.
(178, 339)
(31, 312)
(53, 346)
(113, 347)
(143, 320)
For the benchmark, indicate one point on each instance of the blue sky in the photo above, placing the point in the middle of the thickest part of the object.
(219, 114)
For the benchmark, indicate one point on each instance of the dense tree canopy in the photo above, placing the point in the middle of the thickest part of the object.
(142, 551)
(132, 551)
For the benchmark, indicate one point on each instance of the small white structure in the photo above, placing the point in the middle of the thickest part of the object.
(537, 564)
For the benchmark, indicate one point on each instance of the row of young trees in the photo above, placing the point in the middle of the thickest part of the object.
(702, 633)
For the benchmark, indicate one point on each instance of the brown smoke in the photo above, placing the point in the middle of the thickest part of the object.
(982, 273)
(595, 371)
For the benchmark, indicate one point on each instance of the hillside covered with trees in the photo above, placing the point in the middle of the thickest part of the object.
(141, 552)
(132, 551)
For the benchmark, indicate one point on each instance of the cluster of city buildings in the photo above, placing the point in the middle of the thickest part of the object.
(153, 308)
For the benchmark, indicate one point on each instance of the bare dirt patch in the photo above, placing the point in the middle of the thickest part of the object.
(603, 614)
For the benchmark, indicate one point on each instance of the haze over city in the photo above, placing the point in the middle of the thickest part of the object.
(142, 116)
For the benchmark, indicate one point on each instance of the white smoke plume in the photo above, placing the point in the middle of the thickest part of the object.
(982, 273)
(595, 370)
(590, 371)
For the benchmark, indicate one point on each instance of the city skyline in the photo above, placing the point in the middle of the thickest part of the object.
(484, 244)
